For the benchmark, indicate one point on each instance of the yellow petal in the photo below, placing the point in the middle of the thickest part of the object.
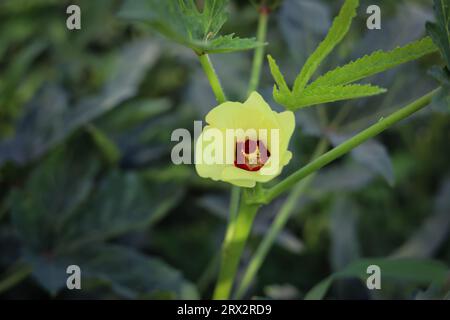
(204, 169)
(286, 121)
(255, 114)
(286, 158)
(243, 183)
(225, 115)
(233, 173)
(256, 102)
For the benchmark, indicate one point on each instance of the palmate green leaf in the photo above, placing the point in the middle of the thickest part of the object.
(128, 273)
(442, 99)
(374, 63)
(133, 275)
(338, 30)
(65, 204)
(326, 94)
(418, 271)
(182, 22)
(228, 43)
(440, 31)
(279, 79)
(208, 22)
(54, 190)
(334, 85)
(65, 209)
(48, 119)
(122, 203)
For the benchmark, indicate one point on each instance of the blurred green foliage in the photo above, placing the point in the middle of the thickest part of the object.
(86, 177)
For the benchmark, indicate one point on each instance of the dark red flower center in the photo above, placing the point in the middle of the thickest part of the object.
(251, 155)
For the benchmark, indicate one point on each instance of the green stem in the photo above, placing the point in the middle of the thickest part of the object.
(212, 77)
(233, 247)
(21, 272)
(234, 211)
(259, 51)
(346, 147)
(241, 218)
(228, 248)
(211, 271)
(275, 228)
(234, 202)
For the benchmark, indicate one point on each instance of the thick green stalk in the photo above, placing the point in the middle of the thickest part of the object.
(346, 147)
(276, 227)
(229, 248)
(212, 77)
(233, 247)
(241, 218)
(233, 214)
(234, 202)
(234, 210)
(259, 51)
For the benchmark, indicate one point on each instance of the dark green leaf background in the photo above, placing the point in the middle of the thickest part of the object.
(85, 138)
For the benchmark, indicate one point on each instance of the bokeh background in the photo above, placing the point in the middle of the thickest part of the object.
(86, 176)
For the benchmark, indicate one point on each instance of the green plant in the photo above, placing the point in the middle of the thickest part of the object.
(335, 85)
(85, 177)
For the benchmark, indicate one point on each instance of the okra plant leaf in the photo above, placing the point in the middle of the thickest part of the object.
(278, 77)
(120, 205)
(183, 22)
(326, 94)
(48, 118)
(419, 271)
(442, 99)
(134, 275)
(338, 30)
(440, 30)
(128, 273)
(52, 193)
(228, 43)
(374, 63)
(335, 85)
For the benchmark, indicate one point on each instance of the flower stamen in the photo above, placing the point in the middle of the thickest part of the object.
(251, 155)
